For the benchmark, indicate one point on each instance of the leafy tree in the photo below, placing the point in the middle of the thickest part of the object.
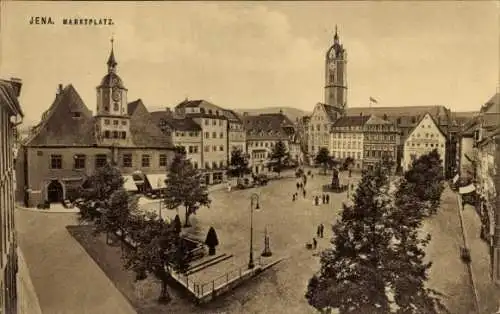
(97, 191)
(425, 180)
(348, 162)
(323, 158)
(211, 241)
(159, 250)
(238, 164)
(114, 217)
(184, 187)
(352, 276)
(278, 156)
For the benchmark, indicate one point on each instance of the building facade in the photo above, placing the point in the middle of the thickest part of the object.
(262, 133)
(320, 124)
(424, 138)
(70, 142)
(236, 135)
(347, 140)
(381, 138)
(10, 116)
(214, 132)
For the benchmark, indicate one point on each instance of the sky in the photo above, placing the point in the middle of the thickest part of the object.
(255, 54)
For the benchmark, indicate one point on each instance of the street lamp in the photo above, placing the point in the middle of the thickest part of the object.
(254, 201)
(158, 183)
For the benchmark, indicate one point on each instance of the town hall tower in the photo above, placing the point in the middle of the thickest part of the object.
(335, 75)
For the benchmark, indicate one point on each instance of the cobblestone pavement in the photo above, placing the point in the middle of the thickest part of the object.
(65, 278)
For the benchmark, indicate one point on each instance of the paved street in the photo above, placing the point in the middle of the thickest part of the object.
(65, 278)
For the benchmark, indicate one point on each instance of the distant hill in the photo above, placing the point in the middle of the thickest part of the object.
(291, 113)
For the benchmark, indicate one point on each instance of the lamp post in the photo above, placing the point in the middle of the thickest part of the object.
(254, 201)
(159, 201)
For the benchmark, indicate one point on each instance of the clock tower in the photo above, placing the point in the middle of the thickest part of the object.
(335, 75)
(112, 122)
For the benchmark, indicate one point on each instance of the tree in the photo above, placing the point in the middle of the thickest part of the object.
(158, 250)
(323, 158)
(184, 187)
(352, 276)
(425, 180)
(211, 241)
(97, 191)
(114, 217)
(377, 256)
(278, 156)
(348, 162)
(238, 164)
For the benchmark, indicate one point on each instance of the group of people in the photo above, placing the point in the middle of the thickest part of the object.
(301, 187)
(324, 199)
(319, 234)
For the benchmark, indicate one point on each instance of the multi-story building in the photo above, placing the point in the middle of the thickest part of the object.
(214, 127)
(407, 118)
(487, 177)
(381, 138)
(335, 103)
(303, 135)
(236, 135)
(347, 139)
(263, 132)
(185, 133)
(10, 115)
(424, 138)
(69, 143)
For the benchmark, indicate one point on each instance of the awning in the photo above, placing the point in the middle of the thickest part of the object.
(129, 183)
(455, 179)
(467, 189)
(157, 181)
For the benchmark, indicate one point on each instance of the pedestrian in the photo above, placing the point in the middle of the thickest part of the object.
(229, 186)
(298, 185)
(304, 193)
(312, 175)
(315, 243)
(324, 198)
(318, 231)
(328, 198)
(321, 230)
(293, 197)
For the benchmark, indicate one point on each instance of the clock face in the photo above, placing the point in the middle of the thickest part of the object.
(332, 54)
(116, 94)
(332, 66)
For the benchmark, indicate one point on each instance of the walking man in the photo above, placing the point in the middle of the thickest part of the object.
(315, 243)
(298, 185)
(304, 193)
(318, 231)
(324, 199)
(321, 230)
(328, 198)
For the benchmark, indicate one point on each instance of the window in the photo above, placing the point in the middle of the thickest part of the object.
(190, 149)
(214, 134)
(221, 135)
(195, 164)
(76, 115)
(100, 160)
(207, 165)
(106, 121)
(206, 121)
(145, 161)
(55, 161)
(214, 148)
(266, 144)
(127, 160)
(221, 148)
(210, 111)
(207, 135)
(79, 162)
(116, 122)
(115, 134)
(220, 121)
(177, 133)
(124, 135)
(206, 148)
(115, 106)
(359, 155)
(163, 160)
(221, 164)
(214, 165)
(106, 134)
(124, 122)
(214, 122)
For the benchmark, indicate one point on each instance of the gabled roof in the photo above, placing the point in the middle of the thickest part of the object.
(185, 124)
(267, 126)
(8, 97)
(189, 103)
(405, 116)
(492, 105)
(231, 115)
(144, 131)
(378, 120)
(59, 126)
(418, 123)
(351, 121)
(331, 112)
(206, 114)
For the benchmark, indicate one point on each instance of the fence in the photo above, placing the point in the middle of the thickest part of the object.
(199, 290)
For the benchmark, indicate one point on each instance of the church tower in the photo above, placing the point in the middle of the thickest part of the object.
(112, 121)
(335, 75)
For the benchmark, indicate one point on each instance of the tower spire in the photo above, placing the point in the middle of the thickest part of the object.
(111, 60)
(336, 36)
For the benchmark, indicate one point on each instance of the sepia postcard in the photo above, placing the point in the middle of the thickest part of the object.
(286, 157)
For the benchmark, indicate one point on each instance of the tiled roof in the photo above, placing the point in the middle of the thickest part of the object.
(493, 102)
(145, 133)
(8, 97)
(189, 103)
(398, 111)
(231, 115)
(351, 121)
(377, 120)
(267, 126)
(199, 103)
(185, 124)
(331, 111)
(420, 120)
(59, 126)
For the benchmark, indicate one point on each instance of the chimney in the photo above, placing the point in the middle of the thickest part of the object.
(16, 83)
(245, 113)
(281, 111)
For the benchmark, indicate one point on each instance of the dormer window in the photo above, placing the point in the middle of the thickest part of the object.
(77, 115)
(202, 110)
(210, 111)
